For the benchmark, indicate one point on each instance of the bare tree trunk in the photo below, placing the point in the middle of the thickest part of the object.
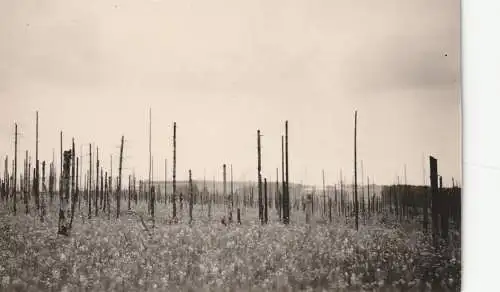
(108, 196)
(44, 189)
(174, 209)
(119, 186)
(356, 211)
(63, 227)
(190, 198)
(96, 196)
(150, 162)
(14, 185)
(224, 193)
(287, 192)
(89, 189)
(129, 191)
(166, 199)
(265, 202)
(259, 178)
(76, 195)
(73, 164)
(26, 183)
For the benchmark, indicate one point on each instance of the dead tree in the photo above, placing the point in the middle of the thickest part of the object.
(259, 178)
(174, 210)
(232, 194)
(356, 211)
(266, 218)
(224, 193)
(73, 164)
(119, 186)
(101, 191)
(324, 193)
(44, 189)
(15, 172)
(282, 196)
(286, 201)
(51, 183)
(129, 191)
(150, 164)
(166, 199)
(108, 196)
(26, 183)
(105, 203)
(36, 178)
(63, 226)
(434, 192)
(89, 189)
(135, 192)
(96, 196)
(190, 198)
(76, 194)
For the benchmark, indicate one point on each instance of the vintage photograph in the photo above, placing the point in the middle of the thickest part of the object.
(230, 145)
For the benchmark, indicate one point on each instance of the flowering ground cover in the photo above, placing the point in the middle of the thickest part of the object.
(128, 254)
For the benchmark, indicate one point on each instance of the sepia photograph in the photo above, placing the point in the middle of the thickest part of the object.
(230, 145)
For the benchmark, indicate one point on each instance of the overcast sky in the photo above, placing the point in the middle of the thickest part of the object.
(223, 69)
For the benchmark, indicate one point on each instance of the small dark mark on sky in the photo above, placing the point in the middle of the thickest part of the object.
(446, 55)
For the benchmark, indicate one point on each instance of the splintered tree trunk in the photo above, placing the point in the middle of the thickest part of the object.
(96, 196)
(166, 199)
(287, 192)
(174, 209)
(108, 196)
(105, 203)
(434, 193)
(259, 177)
(26, 192)
(265, 201)
(14, 183)
(36, 178)
(77, 194)
(356, 211)
(152, 203)
(368, 196)
(190, 198)
(119, 186)
(73, 178)
(74, 196)
(330, 209)
(282, 195)
(129, 191)
(44, 190)
(224, 193)
(277, 195)
(101, 192)
(135, 192)
(63, 227)
(232, 194)
(89, 189)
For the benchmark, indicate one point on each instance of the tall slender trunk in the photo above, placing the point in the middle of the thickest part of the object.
(190, 198)
(355, 172)
(119, 186)
(14, 183)
(287, 203)
(174, 209)
(96, 196)
(89, 189)
(265, 202)
(259, 178)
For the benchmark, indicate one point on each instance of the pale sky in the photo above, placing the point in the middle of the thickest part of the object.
(223, 69)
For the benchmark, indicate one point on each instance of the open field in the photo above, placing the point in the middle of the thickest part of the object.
(121, 255)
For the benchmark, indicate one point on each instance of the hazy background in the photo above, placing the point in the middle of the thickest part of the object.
(223, 69)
